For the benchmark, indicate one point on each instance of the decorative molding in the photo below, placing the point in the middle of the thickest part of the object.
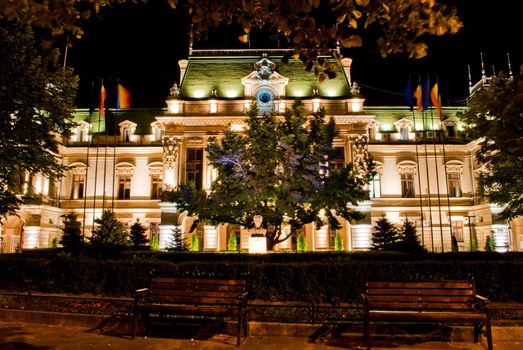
(171, 147)
(407, 167)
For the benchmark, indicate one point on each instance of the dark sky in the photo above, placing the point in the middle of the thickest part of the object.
(141, 44)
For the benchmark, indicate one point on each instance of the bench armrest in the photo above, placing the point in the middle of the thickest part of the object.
(243, 298)
(139, 294)
(481, 302)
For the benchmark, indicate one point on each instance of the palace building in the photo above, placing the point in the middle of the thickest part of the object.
(121, 160)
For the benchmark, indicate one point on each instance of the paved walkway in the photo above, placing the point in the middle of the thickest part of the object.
(34, 336)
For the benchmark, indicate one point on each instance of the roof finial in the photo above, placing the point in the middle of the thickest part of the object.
(175, 90)
(470, 78)
(190, 40)
(483, 74)
(355, 89)
(509, 66)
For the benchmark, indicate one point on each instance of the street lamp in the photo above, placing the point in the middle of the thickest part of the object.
(470, 217)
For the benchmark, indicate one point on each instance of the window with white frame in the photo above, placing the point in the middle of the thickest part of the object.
(78, 182)
(81, 132)
(454, 172)
(156, 175)
(404, 127)
(407, 170)
(127, 129)
(124, 175)
(375, 186)
(157, 131)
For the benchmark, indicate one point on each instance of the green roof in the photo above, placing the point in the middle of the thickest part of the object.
(224, 74)
(143, 117)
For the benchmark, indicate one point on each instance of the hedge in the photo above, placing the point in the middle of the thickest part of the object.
(336, 279)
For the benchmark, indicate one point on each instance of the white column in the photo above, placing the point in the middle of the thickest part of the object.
(210, 240)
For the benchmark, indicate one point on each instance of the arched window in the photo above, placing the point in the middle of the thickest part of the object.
(124, 173)
(407, 170)
(78, 172)
(454, 173)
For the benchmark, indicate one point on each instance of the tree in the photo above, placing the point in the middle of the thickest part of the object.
(495, 118)
(408, 241)
(384, 234)
(109, 234)
(72, 239)
(302, 243)
(312, 28)
(280, 170)
(177, 243)
(232, 244)
(195, 243)
(36, 105)
(137, 235)
(489, 244)
(338, 243)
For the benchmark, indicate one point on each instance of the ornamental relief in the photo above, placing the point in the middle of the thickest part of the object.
(171, 148)
(360, 153)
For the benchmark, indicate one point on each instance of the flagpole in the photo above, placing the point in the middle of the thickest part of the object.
(408, 94)
(114, 139)
(87, 162)
(102, 108)
(445, 163)
(105, 160)
(435, 163)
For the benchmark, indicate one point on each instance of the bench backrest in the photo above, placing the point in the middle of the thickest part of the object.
(195, 290)
(437, 295)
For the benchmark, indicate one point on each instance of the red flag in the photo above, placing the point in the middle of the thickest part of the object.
(436, 98)
(417, 95)
(102, 100)
(124, 97)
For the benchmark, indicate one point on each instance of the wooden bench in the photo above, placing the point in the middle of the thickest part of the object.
(437, 301)
(192, 297)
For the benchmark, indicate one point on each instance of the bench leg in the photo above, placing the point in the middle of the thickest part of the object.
(489, 334)
(366, 332)
(134, 324)
(245, 325)
(239, 328)
(477, 329)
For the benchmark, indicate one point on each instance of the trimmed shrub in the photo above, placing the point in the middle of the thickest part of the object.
(338, 243)
(302, 243)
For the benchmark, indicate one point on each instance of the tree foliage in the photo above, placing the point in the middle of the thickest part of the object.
(177, 242)
(311, 27)
(109, 233)
(72, 239)
(36, 105)
(278, 169)
(384, 234)
(137, 235)
(495, 118)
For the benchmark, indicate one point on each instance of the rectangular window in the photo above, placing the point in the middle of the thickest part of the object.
(375, 186)
(407, 185)
(404, 134)
(156, 186)
(454, 184)
(124, 186)
(451, 131)
(194, 166)
(337, 159)
(457, 227)
(77, 190)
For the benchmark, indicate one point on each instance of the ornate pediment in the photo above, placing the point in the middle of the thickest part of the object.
(264, 77)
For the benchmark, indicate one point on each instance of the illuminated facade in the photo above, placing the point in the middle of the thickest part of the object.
(426, 170)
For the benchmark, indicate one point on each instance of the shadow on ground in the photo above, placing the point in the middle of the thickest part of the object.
(12, 338)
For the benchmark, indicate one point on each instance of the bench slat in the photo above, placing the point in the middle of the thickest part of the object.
(418, 285)
(187, 287)
(198, 281)
(425, 316)
(399, 292)
(421, 298)
(419, 306)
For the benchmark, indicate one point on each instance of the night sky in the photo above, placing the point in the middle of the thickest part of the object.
(141, 44)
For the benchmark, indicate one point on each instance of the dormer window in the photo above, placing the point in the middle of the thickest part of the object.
(157, 131)
(127, 129)
(80, 133)
(404, 127)
(450, 127)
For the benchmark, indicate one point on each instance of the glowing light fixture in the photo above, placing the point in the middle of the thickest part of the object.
(355, 103)
(174, 106)
(213, 106)
(316, 105)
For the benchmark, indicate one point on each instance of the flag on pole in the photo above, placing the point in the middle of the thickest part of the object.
(417, 96)
(436, 98)
(245, 38)
(409, 95)
(426, 95)
(102, 100)
(123, 99)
